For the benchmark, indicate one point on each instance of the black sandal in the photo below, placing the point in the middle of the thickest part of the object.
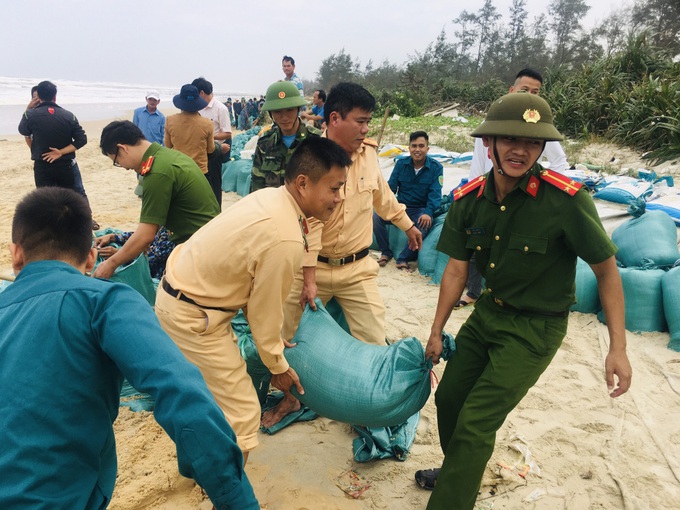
(427, 478)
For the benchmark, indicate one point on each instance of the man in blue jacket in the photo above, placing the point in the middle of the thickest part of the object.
(66, 343)
(417, 182)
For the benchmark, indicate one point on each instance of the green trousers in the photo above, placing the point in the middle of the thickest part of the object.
(499, 356)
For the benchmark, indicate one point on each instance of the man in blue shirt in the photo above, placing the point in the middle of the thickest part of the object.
(417, 181)
(149, 119)
(317, 114)
(66, 343)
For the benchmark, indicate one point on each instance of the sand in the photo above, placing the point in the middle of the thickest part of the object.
(589, 451)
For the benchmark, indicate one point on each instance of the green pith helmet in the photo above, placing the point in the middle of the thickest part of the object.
(282, 95)
(519, 115)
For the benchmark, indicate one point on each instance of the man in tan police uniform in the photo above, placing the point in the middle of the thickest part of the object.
(246, 258)
(337, 264)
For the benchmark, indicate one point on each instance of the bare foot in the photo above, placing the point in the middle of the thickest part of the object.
(288, 405)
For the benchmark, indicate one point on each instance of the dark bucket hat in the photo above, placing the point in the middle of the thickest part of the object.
(189, 100)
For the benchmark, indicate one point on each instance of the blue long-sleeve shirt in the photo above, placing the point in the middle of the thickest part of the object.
(66, 342)
(421, 190)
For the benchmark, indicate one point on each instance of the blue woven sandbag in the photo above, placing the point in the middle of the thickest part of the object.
(587, 296)
(428, 254)
(397, 239)
(439, 266)
(135, 273)
(257, 370)
(244, 168)
(650, 240)
(643, 299)
(229, 176)
(354, 382)
(385, 442)
(670, 286)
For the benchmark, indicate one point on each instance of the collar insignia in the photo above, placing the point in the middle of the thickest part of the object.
(146, 166)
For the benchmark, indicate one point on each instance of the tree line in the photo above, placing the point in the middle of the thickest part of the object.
(619, 80)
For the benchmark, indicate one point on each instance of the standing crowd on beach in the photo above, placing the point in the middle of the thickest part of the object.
(317, 200)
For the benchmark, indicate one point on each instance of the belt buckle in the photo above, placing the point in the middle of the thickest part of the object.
(336, 262)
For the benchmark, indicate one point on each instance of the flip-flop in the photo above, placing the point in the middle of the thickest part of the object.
(383, 260)
(427, 478)
(461, 304)
(403, 266)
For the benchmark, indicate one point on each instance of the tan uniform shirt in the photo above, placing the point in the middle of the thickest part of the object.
(246, 258)
(192, 135)
(350, 227)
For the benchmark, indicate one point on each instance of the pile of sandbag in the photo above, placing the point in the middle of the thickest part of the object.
(647, 256)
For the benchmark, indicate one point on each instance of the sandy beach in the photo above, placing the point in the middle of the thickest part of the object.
(588, 450)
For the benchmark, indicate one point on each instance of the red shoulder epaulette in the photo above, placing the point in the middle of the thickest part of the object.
(146, 166)
(561, 181)
(479, 182)
(371, 142)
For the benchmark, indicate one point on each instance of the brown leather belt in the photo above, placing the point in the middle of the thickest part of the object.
(346, 260)
(179, 295)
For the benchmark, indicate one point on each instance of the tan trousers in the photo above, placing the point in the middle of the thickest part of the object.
(355, 287)
(206, 339)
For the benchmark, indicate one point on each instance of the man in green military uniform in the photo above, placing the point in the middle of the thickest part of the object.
(526, 226)
(276, 146)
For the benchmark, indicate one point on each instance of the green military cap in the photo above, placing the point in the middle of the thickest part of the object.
(282, 95)
(520, 115)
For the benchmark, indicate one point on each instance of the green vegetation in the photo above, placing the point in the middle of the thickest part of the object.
(618, 82)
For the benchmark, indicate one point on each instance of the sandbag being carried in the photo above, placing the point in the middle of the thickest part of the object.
(670, 287)
(650, 240)
(354, 382)
(643, 299)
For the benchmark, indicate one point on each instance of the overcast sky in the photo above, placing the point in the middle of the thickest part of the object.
(237, 45)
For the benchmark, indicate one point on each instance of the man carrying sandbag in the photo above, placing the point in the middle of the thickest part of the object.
(338, 264)
(526, 226)
(174, 192)
(246, 259)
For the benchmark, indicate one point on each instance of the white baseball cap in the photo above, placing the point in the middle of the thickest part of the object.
(153, 95)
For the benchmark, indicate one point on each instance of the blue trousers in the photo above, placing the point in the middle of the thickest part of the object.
(499, 356)
(383, 240)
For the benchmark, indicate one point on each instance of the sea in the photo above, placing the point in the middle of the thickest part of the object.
(89, 101)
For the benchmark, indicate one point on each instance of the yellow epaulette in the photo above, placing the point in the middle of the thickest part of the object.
(479, 182)
(371, 142)
(561, 181)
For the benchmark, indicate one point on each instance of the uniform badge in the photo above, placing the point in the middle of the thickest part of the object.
(531, 115)
(282, 94)
(146, 166)
(51, 110)
(441, 180)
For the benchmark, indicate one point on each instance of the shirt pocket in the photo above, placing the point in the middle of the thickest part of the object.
(366, 188)
(525, 252)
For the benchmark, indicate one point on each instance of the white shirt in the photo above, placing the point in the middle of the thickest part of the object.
(219, 115)
(481, 163)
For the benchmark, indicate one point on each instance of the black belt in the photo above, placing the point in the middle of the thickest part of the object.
(503, 304)
(179, 295)
(347, 260)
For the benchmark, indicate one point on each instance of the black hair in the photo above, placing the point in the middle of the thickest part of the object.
(314, 157)
(53, 223)
(418, 134)
(203, 85)
(119, 132)
(34, 88)
(531, 73)
(47, 91)
(286, 58)
(322, 94)
(346, 96)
